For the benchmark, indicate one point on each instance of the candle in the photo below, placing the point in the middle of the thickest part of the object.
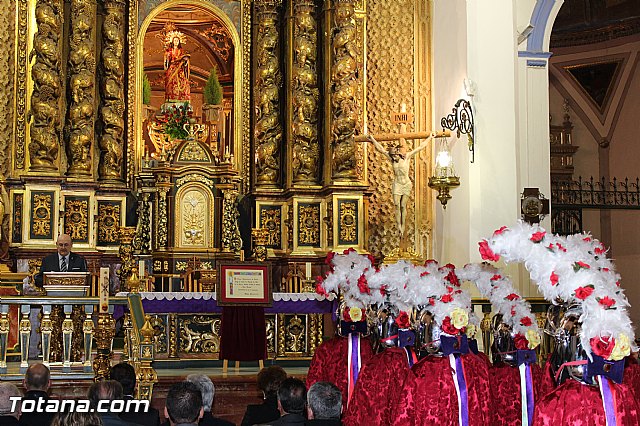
(104, 290)
(308, 270)
(141, 269)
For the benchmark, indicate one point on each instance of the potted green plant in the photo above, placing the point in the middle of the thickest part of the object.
(147, 109)
(212, 97)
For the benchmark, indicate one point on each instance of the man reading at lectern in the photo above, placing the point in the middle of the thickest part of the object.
(62, 261)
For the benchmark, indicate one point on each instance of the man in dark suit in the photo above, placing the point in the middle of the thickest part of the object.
(292, 398)
(125, 374)
(324, 404)
(62, 261)
(37, 383)
(207, 390)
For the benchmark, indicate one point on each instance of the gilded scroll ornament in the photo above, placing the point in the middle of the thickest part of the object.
(305, 149)
(231, 240)
(17, 218)
(111, 87)
(309, 224)
(142, 240)
(21, 82)
(41, 215)
(296, 334)
(220, 39)
(163, 220)
(200, 334)
(109, 222)
(82, 80)
(47, 82)
(247, 156)
(271, 219)
(76, 218)
(268, 130)
(348, 217)
(344, 103)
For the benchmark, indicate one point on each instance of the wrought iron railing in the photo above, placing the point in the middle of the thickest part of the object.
(570, 198)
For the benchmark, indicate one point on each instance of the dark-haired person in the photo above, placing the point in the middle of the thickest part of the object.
(324, 404)
(106, 390)
(37, 382)
(292, 400)
(269, 380)
(125, 374)
(184, 404)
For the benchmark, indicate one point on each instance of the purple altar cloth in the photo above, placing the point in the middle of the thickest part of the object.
(199, 306)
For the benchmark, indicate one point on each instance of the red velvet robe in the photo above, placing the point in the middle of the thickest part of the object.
(329, 363)
(382, 386)
(432, 399)
(506, 393)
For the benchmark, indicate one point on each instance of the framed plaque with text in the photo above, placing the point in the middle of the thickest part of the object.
(244, 284)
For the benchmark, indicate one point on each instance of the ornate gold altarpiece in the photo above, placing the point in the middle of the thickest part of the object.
(307, 76)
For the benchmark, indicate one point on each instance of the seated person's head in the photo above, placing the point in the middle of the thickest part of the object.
(324, 401)
(124, 374)
(269, 380)
(184, 403)
(207, 390)
(37, 378)
(292, 396)
(7, 390)
(105, 390)
(76, 418)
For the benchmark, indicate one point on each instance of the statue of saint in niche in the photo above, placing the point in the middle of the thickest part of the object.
(177, 68)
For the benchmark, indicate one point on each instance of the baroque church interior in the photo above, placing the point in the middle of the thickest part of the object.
(187, 146)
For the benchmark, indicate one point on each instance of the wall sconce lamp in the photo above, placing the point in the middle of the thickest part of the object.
(444, 178)
(461, 120)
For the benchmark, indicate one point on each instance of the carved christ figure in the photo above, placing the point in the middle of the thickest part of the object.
(177, 71)
(402, 185)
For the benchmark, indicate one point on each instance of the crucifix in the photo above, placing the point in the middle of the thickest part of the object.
(401, 162)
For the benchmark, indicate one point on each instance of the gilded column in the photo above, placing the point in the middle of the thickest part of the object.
(112, 92)
(231, 239)
(268, 129)
(47, 86)
(163, 220)
(7, 89)
(305, 149)
(344, 81)
(82, 81)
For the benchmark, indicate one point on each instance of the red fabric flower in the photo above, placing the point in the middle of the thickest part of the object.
(553, 278)
(430, 262)
(599, 250)
(584, 292)
(605, 269)
(500, 231)
(486, 253)
(452, 278)
(521, 342)
(448, 328)
(496, 277)
(561, 247)
(602, 346)
(432, 301)
(607, 302)
(537, 236)
(371, 259)
(446, 298)
(526, 321)
(618, 283)
(424, 274)
(329, 257)
(363, 286)
(580, 265)
(449, 289)
(550, 247)
(345, 314)
(319, 288)
(383, 290)
(403, 320)
(587, 239)
(512, 297)
(513, 311)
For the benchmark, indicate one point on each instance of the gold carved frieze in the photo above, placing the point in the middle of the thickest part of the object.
(309, 224)
(195, 152)
(42, 216)
(82, 79)
(348, 222)
(109, 219)
(305, 95)
(194, 177)
(22, 32)
(162, 230)
(220, 39)
(199, 334)
(247, 157)
(7, 71)
(271, 219)
(76, 218)
(112, 91)
(268, 81)
(46, 111)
